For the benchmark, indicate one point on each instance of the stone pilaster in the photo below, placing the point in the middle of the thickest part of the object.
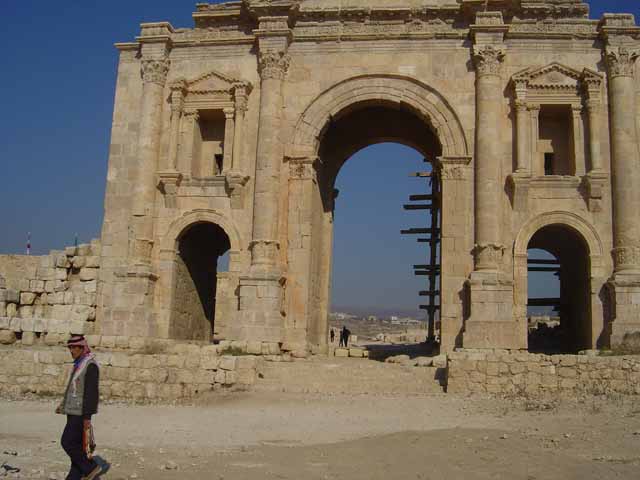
(169, 178)
(456, 187)
(229, 132)
(523, 160)
(491, 323)
(240, 96)
(621, 55)
(154, 69)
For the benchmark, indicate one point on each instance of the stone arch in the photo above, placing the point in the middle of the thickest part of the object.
(567, 219)
(420, 98)
(594, 251)
(192, 217)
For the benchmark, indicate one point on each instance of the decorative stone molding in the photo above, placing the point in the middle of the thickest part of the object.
(621, 61)
(488, 255)
(595, 184)
(488, 59)
(555, 78)
(626, 258)
(273, 65)
(264, 252)
(155, 70)
(178, 90)
(519, 184)
(241, 96)
(453, 168)
(168, 183)
(303, 168)
(235, 183)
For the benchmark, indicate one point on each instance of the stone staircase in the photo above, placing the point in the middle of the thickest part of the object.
(320, 374)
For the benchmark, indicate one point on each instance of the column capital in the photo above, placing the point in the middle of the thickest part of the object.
(521, 106)
(453, 168)
(192, 113)
(488, 255)
(488, 59)
(241, 96)
(273, 64)
(229, 113)
(621, 61)
(155, 70)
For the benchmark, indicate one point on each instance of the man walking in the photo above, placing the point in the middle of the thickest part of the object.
(80, 401)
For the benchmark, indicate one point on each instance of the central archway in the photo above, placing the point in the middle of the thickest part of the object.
(344, 119)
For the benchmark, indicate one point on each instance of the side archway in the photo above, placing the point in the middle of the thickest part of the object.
(577, 249)
(198, 299)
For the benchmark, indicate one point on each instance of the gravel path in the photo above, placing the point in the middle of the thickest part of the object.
(249, 435)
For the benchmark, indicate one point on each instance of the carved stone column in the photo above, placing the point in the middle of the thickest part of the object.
(523, 161)
(169, 178)
(262, 288)
(240, 94)
(488, 249)
(624, 149)
(154, 75)
(594, 109)
(579, 156)
(491, 323)
(187, 164)
(273, 66)
(625, 192)
(229, 131)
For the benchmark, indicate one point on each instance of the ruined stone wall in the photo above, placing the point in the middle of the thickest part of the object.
(15, 268)
(51, 293)
(524, 374)
(153, 372)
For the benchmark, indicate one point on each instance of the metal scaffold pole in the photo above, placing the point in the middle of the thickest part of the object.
(432, 269)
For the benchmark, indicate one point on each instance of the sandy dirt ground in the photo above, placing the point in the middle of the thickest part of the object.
(248, 436)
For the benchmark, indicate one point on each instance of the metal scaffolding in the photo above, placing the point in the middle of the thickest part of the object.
(431, 270)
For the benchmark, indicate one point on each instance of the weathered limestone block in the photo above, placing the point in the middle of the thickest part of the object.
(4, 323)
(25, 311)
(341, 352)
(27, 298)
(227, 362)
(78, 262)
(424, 361)
(230, 377)
(210, 362)
(88, 274)
(84, 249)
(220, 377)
(61, 274)
(3, 309)
(7, 337)
(28, 338)
(92, 261)
(90, 287)
(254, 348)
(11, 310)
(16, 324)
(108, 341)
(10, 296)
(68, 298)
(27, 324)
(36, 286)
(70, 251)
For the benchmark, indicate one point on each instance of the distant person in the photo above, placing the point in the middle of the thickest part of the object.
(347, 334)
(343, 342)
(80, 401)
(332, 335)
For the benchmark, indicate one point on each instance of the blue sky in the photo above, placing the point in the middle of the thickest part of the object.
(58, 86)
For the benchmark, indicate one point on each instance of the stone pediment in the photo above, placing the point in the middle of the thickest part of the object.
(212, 82)
(555, 76)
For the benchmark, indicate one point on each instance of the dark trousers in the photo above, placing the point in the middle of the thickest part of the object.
(72, 443)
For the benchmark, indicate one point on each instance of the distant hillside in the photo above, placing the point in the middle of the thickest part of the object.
(378, 311)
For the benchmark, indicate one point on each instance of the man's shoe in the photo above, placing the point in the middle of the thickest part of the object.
(94, 473)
